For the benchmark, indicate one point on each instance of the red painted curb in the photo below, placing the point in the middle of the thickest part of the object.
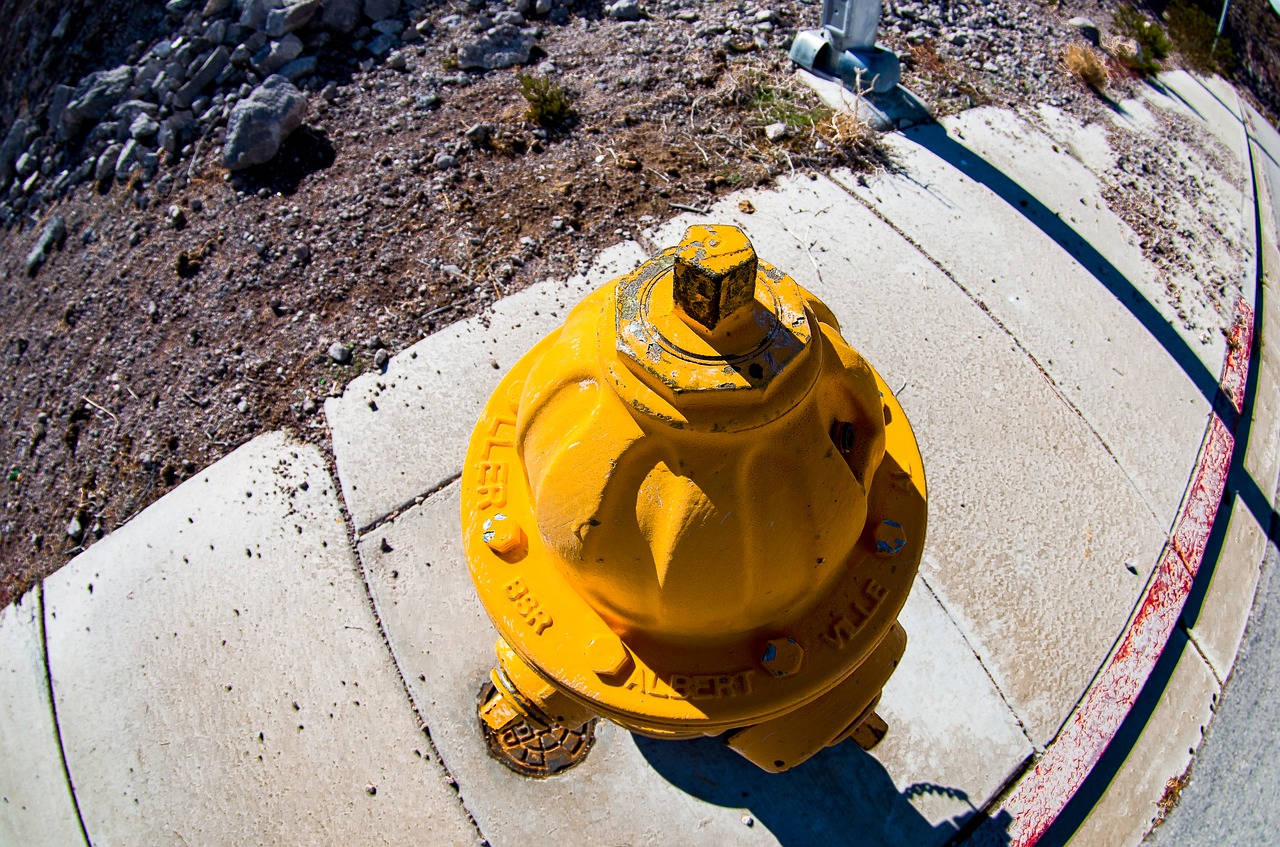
(1044, 791)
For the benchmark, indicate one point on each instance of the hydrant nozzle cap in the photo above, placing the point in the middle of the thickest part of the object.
(715, 273)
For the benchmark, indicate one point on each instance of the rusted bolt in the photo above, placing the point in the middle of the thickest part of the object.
(715, 273)
(502, 534)
(890, 538)
(607, 655)
(842, 433)
(782, 657)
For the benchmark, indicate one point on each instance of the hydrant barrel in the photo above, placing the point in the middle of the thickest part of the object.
(693, 510)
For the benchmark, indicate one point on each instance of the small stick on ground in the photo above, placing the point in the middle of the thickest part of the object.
(101, 409)
(682, 207)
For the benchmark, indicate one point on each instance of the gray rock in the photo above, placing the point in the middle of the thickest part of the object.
(776, 132)
(213, 8)
(106, 166)
(426, 102)
(14, 144)
(217, 32)
(130, 109)
(479, 134)
(62, 95)
(625, 10)
(380, 10)
(299, 68)
(340, 353)
(260, 123)
(341, 15)
(1087, 28)
(382, 45)
(380, 359)
(26, 164)
(253, 13)
(75, 529)
(144, 127)
(509, 16)
(445, 161)
(390, 26)
(501, 47)
(542, 7)
(291, 17)
(173, 130)
(129, 155)
(54, 233)
(277, 54)
(94, 97)
(205, 74)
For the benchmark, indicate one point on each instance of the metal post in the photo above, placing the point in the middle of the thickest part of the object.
(851, 24)
(1222, 22)
(845, 47)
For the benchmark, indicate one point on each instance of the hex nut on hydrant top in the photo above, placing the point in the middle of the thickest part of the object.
(692, 510)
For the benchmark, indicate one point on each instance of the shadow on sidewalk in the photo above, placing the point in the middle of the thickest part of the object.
(935, 139)
(842, 796)
(1240, 490)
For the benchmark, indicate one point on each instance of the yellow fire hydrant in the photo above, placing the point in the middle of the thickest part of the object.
(693, 510)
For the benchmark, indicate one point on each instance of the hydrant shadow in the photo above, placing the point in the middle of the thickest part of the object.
(841, 796)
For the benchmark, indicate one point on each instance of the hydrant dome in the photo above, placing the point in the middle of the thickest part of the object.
(682, 534)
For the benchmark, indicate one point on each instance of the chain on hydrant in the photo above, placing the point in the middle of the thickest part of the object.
(692, 510)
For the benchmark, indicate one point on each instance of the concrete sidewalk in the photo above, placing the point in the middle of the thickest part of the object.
(263, 656)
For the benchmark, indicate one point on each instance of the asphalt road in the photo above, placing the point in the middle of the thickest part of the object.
(1233, 799)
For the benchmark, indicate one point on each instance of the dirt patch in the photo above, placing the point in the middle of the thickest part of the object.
(186, 312)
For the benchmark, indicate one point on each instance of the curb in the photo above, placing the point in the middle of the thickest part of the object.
(1045, 791)
(1035, 802)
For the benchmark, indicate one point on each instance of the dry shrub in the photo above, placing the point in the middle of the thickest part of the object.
(1086, 65)
(847, 132)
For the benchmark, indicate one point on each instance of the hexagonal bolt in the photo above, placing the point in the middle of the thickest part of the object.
(502, 534)
(715, 273)
(608, 656)
(890, 538)
(782, 657)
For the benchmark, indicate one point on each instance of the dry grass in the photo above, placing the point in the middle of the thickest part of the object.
(1086, 65)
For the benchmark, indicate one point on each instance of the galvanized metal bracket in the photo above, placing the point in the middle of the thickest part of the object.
(845, 48)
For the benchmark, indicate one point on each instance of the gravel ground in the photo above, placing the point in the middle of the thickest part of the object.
(161, 309)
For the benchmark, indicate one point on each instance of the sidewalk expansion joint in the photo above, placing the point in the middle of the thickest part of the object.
(994, 683)
(399, 510)
(1194, 640)
(53, 708)
(1048, 379)
(352, 538)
